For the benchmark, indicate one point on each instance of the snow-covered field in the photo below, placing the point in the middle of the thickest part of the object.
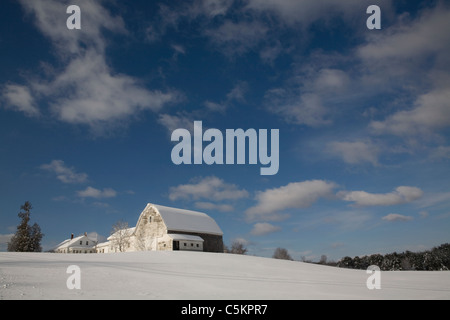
(198, 275)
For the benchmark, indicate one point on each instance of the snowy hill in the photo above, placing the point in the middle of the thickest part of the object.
(198, 275)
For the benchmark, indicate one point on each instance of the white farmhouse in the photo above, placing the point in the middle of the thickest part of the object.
(157, 228)
(80, 244)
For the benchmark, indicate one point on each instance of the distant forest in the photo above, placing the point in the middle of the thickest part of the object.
(437, 259)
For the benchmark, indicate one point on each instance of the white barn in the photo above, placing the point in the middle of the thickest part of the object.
(157, 228)
(165, 228)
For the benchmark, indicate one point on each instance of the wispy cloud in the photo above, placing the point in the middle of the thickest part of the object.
(214, 206)
(272, 202)
(19, 98)
(207, 188)
(396, 217)
(87, 90)
(91, 192)
(412, 47)
(264, 228)
(355, 152)
(429, 114)
(400, 195)
(64, 173)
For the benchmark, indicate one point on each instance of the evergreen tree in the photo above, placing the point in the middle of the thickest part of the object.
(35, 238)
(26, 238)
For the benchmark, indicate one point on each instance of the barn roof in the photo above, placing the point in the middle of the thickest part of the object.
(187, 220)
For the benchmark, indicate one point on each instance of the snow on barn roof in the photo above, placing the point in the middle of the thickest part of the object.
(187, 220)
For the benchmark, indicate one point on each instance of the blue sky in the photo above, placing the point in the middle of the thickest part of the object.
(86, 118)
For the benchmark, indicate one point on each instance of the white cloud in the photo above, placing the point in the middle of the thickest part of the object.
(87, 90)
(413, 57)
(64, 173)
(170, 17)
(271, 202)
(210, 8)
(402, 194)
(303, 109)
(429, 113)
(236, 94)
(179, 49)
(354, 152)
(97, 96)
(293, 12)
(19, 98)
(434, 199)
(235, 38)
(312, 94)
(179, 120)
(91, 192)
(409, 41)
(50, 18)
(213, 206)
(210, 188)
(330, 80)
(396, 217)
(263, 228)
(241, 240)
(215, 107)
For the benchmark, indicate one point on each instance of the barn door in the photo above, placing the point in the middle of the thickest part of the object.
(176, 245)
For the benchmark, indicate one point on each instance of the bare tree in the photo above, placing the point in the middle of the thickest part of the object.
(120, 235)
(238, 247)
(323, 259)
(281, 253)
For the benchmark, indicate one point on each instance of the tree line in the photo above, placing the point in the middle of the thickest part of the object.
(437, 258)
